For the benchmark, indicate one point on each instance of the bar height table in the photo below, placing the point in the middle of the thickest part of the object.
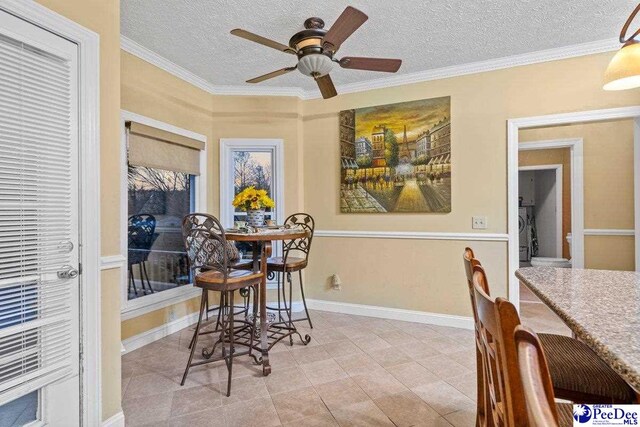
(261, 242)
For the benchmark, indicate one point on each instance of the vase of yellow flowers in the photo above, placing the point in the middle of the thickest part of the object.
(254, 202)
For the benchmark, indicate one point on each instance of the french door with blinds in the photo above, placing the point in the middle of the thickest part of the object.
(39, 234)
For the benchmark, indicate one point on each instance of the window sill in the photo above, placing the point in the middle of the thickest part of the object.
(143, 305)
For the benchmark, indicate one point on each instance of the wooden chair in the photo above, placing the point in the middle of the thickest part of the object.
(481, 399)
(497, 322)
(536, 381)
(578, 374)
(295, 257)
(208, 253)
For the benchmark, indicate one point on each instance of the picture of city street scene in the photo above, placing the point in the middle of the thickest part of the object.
(396, 157)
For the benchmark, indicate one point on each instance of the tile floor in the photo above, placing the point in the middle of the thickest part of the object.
(538, 316)
(357, 371)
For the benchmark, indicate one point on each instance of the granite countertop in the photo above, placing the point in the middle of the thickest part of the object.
(601, 307)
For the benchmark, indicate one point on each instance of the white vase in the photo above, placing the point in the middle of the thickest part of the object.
(255, 217)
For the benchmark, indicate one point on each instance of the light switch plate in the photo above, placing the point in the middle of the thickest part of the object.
(479, 222)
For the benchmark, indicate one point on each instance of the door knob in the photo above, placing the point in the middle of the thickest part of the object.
(67, 272)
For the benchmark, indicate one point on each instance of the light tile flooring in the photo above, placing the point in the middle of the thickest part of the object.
(357, 371)
(538, 316)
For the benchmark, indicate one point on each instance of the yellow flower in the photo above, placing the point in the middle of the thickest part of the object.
(250, 198)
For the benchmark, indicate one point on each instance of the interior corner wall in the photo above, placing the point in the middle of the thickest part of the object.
(103, 17)
(427, 275)
(153, 92)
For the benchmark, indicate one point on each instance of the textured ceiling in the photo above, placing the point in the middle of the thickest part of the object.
(424, 34)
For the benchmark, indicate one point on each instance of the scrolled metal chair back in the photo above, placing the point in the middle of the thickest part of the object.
(141, 229)
(301, 245)
(205, 243)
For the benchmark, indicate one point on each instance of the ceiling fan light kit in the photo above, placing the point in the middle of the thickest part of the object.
(316, 47)
(623, 71)
(315, 65)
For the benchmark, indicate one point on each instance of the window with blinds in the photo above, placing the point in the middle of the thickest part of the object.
(163, 171)
(38, 219)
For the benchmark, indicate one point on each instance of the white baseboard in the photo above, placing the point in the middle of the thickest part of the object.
(392, 313)
(157, 333)
(116, 420)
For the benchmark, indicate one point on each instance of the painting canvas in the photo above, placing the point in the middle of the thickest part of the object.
(396, 157)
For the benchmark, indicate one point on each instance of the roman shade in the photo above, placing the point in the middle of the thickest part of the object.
(159, 149)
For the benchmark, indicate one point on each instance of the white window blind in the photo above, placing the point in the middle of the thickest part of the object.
(38, 235)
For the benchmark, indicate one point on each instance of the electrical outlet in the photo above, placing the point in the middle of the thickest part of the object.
(479, 222)
(336, 283)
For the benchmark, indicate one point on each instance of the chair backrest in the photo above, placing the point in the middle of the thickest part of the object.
(497, 321)
(205, 243)
(469, 263)
(482, 397)
(301, 245)
(467, 258)
(536, 380)
(141, 231)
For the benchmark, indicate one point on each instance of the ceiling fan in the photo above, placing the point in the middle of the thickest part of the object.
(316, 47)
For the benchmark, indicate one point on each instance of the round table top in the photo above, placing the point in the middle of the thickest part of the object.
(266, 235)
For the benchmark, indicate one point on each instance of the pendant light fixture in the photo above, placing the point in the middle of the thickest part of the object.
(623, 71)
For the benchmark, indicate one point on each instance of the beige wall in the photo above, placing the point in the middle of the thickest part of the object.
(608, 187)
(152, 92)
(558, 156)
(103, 17)
(481, 104)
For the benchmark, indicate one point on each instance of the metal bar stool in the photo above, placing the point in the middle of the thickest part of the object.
(295, 257)
(141, 236)
(234, 263)
(206, 247)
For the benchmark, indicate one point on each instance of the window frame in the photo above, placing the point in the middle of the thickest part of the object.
(227, 147)
(227, 211)
(130, 309)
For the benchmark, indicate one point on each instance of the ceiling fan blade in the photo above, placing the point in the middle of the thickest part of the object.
(325, 84)
(271, 75)
(262, 40)
(371, 64)
(347, 23)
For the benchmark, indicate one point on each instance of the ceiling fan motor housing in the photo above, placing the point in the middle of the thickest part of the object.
(313, 60)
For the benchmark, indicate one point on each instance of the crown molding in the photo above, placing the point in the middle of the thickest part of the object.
(536, 57)
(259, 91)
(163, 63)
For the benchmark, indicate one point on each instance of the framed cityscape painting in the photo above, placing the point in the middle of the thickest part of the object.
(396, 157)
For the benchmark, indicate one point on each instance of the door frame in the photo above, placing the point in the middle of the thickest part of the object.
(576, 152)
(513, 128)
(558, 172)
(89, 200)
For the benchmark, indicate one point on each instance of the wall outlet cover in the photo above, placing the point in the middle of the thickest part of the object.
(336, 283)
(479, 222)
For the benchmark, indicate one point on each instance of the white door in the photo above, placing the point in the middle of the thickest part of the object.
(39, 234)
